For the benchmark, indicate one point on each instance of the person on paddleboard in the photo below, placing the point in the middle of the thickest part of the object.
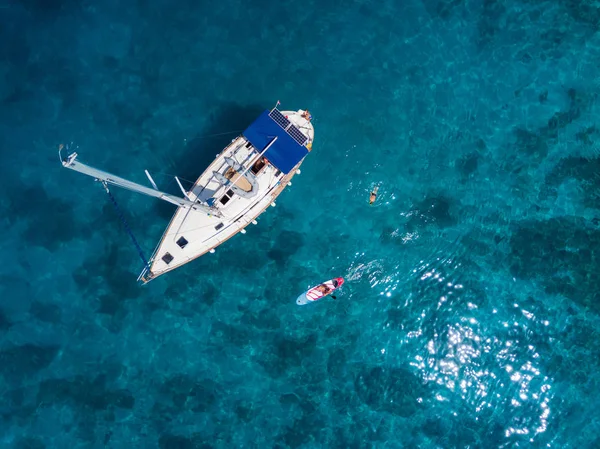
(323, 288)
(320, 291)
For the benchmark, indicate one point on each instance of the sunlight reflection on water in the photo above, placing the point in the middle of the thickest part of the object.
(473, 357)
(470, 351)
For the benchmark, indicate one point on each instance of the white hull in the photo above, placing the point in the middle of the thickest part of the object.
(193, 233)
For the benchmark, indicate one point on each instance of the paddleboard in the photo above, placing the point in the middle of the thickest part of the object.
(319, 291)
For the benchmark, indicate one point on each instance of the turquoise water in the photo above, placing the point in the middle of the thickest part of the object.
(470, 313)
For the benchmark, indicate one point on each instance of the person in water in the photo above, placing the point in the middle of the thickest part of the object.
(373, 195)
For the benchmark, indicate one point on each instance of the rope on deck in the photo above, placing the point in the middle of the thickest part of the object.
(127, 228)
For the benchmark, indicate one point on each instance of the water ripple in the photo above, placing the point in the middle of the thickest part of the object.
(474, 350)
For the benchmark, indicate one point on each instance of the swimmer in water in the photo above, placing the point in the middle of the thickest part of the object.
(373, 195)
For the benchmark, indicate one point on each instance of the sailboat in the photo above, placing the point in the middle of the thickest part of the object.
(237, 187)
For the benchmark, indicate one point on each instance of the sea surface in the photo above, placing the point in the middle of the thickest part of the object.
(470, 316)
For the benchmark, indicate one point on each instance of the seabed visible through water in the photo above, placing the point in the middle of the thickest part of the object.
(470, 312)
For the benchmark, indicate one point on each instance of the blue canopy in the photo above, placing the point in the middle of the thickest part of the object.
(285, 153)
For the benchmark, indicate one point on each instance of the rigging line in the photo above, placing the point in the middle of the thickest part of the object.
(218, 134)
(169, 175)
(127, 228)
(188, 230)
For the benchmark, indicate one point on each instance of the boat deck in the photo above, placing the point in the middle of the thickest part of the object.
(193, 233)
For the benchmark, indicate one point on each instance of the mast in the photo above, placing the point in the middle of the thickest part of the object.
(109, 178)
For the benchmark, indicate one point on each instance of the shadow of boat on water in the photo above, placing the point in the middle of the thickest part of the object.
(223, 126)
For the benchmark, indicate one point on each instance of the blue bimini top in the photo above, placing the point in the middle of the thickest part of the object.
(287, 150)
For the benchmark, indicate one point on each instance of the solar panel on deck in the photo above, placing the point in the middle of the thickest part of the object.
(279, 118)
(285, 152)
(297, 135)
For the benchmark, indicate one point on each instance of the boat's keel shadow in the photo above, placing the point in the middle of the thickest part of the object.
(223, 126)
